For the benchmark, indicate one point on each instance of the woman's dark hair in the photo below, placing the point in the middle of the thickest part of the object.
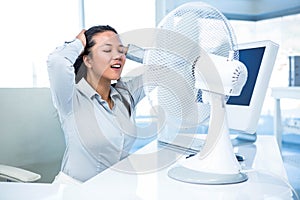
(80, 70)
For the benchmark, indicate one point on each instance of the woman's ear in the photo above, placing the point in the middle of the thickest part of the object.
(87, 61)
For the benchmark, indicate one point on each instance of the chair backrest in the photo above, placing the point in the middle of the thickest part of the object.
(30, 133)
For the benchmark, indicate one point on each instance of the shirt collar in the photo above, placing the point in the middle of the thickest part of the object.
(84, 87)
(114, 93)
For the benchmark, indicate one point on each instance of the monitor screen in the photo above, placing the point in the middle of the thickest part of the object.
(251, 58)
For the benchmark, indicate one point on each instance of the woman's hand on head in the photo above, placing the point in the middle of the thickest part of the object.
(81, 37)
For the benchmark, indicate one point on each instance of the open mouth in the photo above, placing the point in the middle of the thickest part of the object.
(116, 66)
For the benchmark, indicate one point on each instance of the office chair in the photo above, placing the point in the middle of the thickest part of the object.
(31, 140)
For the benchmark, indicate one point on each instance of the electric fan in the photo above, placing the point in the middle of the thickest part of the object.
(194, 65)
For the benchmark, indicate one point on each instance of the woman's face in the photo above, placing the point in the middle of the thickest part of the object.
(107, 56)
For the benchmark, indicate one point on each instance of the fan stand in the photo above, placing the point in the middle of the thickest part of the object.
(216, 163)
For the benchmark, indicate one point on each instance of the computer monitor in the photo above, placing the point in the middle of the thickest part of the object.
(243, 112)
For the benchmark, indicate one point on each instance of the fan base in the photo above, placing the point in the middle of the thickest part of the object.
(187, 175)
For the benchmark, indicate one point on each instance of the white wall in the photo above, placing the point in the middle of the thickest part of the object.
(31, 29)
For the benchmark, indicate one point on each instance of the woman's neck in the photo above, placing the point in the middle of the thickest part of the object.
(102, 87)
(103, 90)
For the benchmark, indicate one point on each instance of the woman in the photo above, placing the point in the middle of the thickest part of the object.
(96, 116)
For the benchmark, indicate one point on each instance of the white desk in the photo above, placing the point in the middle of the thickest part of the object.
(280, 93)
(153, 183)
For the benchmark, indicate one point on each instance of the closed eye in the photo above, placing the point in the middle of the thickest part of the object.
(107, 51)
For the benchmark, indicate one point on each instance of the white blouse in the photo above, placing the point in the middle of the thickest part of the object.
(96, 136)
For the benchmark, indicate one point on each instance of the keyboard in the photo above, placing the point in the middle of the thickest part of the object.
(183, 143)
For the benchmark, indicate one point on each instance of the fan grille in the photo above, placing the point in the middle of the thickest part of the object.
(180, 37)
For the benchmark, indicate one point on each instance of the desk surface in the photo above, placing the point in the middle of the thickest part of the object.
(137, 178)
(286, 92)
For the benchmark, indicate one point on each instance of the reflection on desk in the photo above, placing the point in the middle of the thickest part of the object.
(143, 175)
